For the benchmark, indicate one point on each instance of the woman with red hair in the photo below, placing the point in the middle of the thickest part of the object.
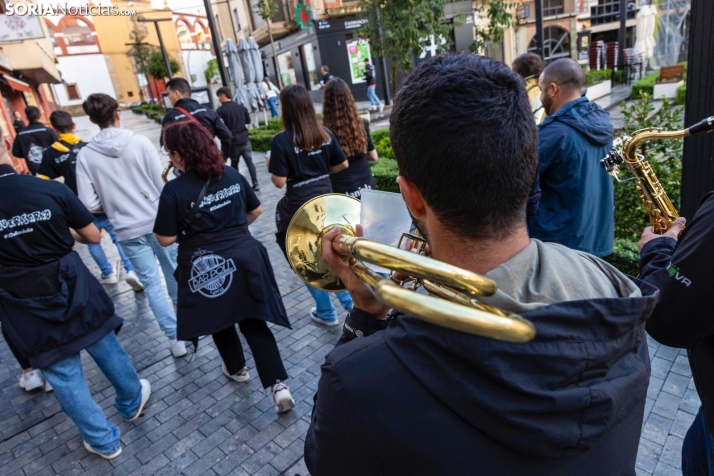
(224, 274)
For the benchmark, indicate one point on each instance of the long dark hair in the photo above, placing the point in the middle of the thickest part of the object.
(196, 147)
(299, 118)
(340, 116)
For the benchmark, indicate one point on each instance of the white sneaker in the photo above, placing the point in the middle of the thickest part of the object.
(282, 397)
(381, 107)
(31, 380)
(242, 376)
(112, 278)
(319, 320)
(111, 456)
(133, 280)
(48, 387)
(145, 394)
(178, 348)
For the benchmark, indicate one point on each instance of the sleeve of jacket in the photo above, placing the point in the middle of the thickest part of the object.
(85, 188)
(153, 161)
(336, 443)
(223, 134)
(360, 323)
(533, 197)
(682, 272)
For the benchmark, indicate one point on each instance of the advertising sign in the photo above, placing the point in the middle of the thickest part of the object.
(18, 28)
(357, 51)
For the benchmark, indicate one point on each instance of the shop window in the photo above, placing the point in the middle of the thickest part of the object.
(287, 72)
(552, 7)
(556, 44)
(236, 21)
(308, 58)
(72, 91)
(130, 94)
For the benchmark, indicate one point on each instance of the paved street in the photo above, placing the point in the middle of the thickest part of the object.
(199, 423)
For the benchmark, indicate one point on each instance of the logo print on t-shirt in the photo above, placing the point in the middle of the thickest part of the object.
(34, 155)
(211, 275)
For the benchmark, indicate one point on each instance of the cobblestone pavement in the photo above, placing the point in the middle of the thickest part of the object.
(199, 423)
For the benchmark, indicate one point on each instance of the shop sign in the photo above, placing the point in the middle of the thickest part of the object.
(18, 28)
(351, 24)
(303, 16)
(333, 4)
(357, 51)
(323, 25)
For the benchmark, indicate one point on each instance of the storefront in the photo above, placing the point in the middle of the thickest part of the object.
(334, 43)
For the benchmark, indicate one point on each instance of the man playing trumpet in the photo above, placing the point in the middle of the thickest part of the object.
(410, 397)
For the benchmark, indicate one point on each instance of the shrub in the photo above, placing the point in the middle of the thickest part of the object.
(385, 173)
(682, 94)
(644, 85)
(625, 257)
(595, 76)
(261, 139)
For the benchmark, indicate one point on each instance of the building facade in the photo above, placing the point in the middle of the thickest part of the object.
(196, 48)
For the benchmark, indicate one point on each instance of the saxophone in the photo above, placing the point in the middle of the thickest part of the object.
(165, 173)
(659, 208)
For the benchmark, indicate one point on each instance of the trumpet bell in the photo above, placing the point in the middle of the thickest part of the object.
(303, 239)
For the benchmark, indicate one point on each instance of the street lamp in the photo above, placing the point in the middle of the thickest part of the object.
(161, 40)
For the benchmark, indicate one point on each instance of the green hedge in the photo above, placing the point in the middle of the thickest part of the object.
(682, 94)
(647, 83)
(625, 257)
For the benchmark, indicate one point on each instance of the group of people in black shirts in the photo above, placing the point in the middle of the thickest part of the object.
(397, 395)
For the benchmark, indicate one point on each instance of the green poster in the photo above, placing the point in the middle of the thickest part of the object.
(357, 51)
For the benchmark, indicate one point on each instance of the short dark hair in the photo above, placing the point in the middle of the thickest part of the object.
(325, 68)
(101, 109)
(566, 73)
(528, 65)
(224, 91)
(32, 113)
(366, 60)
(180, 85)
(62, 121)
(462, 131)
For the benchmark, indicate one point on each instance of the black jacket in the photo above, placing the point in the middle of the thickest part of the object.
(419, 399)
(235, 116)
(31, 142)
(369, 75)
(208, 117)
(683, 317)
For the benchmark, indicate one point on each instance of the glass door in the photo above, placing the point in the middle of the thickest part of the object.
(308, 59)
(287, 72)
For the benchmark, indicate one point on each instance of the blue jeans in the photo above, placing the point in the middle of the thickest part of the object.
(372, 95)
(271, 104)
(143, 252)
(67, 378)
(325, 310)
(698, 449)
(95, 249)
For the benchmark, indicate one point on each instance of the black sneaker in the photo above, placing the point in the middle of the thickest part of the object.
(256, 187)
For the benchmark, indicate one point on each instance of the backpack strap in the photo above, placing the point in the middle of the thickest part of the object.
(193, 213)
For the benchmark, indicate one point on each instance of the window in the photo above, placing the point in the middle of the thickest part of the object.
(552, 7)
(72, 91)
(287, 72)
(236, 21)
(130, 94)
(556, 44)
(184, 34)
(220, 30)
(308, 59)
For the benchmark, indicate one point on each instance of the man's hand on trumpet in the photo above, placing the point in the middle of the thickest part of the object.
(361, 295)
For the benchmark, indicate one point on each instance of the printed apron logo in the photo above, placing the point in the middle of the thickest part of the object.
(211, 275)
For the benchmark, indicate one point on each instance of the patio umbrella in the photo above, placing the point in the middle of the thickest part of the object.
(249, 73)
(645, 31)
(258, 66)
(240, 93)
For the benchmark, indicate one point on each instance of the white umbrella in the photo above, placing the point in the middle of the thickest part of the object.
(240, 93)
(645, 31)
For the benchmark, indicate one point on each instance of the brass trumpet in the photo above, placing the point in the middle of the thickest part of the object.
(454, 308)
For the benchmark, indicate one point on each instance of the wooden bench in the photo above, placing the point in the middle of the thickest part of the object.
(671, 72)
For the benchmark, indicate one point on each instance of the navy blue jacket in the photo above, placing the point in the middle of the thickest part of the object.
(576, 206)
(682, 270)
(419, 399)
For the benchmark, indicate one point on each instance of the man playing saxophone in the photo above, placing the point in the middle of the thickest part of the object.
(410, 397)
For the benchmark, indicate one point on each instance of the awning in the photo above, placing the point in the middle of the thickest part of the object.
(16, 84)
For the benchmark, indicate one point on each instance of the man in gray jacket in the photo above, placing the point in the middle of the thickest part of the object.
(119, 174)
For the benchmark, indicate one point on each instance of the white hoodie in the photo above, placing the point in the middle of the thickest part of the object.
(119, 174)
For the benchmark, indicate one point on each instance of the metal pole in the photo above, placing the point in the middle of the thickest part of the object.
(383, 66)
(161, 41)
(622, 37)
(539, 29)
(216, 42)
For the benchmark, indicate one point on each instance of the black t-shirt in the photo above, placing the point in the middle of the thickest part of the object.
(61, 164)
(35, 217)
(326, 78)
(300, 165)
(358, 176)
(224, 205)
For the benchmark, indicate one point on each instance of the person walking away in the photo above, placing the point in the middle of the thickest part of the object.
(224, 274)
(119, 174)
(527, 65)
(302, 158)
(236, 116)
(31, 141)
(60, 160)
(576, 206)
(326, 75)
(17, 122)
(679, 265)
(371, 79)
(187, 109)
(340, 116)
(51, 307)
(403, 396)
(271, 92)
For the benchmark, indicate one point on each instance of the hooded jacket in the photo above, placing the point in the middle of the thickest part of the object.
(576, 206)
(60, 160)
(682, 271)
(420, 399)
(205, 116)
(31, 142)
(119, 174)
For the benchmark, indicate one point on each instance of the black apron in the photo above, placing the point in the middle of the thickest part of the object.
(296, 196)
(225, 277)
(355, 178)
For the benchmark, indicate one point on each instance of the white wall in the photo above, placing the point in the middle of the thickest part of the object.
(195, 63)
(89, 72)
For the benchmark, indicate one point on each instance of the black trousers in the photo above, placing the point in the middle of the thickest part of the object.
(24, 363)
(262, 344)
(246, 151)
